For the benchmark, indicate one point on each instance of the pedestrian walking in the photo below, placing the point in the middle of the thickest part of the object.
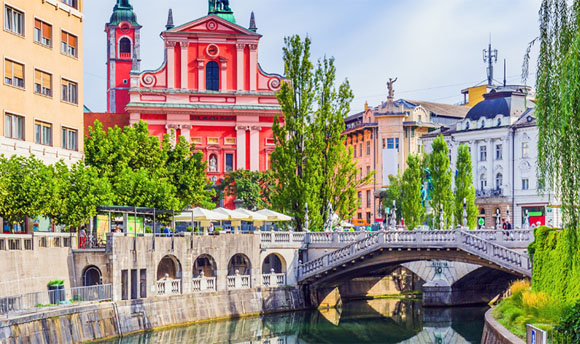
(82, 237)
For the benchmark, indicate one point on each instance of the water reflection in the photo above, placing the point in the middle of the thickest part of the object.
(375, 321)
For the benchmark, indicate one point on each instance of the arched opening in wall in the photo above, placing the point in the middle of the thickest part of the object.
(212, 76)
(206, 264)
(169, 267)
(92, 276)
(241, 263)
(274, 262)
(125, 47)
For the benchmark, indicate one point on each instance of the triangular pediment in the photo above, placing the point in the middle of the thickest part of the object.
(212, 24)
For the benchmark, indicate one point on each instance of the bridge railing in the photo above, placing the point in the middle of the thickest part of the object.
(238, 281)
(201, 284)
(471, 242)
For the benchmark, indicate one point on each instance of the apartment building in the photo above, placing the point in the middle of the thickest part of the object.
(41, 95)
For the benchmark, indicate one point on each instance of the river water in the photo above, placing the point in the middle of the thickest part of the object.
(375, 321)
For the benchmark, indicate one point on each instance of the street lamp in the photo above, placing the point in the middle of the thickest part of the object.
(464, 213)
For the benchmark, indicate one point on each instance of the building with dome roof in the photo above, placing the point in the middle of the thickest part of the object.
(502, 135)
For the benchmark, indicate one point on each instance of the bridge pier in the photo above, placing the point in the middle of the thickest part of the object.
(323, 297)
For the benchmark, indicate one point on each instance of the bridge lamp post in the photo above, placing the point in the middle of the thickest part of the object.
(441, 224)
(464, 213)
(508, 213)
(497, 224)
(394, 215)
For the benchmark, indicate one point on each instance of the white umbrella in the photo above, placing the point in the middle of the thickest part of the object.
(274, 216)
(200, 214)
(233, 215)
(253, 216)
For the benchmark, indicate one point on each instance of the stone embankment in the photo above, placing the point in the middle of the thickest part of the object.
(77, 324)
(495, 333)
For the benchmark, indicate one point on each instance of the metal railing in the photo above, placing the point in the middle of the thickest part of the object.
(48, 298)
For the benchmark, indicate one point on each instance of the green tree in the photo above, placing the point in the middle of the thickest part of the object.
(253, 188)
(412, 209)
(79, 191)
(393, 193)
(557, 107)
(464, 188)
(131, 155)
(335, 167)
(26, 188)
(441, 195)
(311, 163)
(295, 187)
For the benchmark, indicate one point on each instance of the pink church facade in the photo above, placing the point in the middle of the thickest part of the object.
(210, 89)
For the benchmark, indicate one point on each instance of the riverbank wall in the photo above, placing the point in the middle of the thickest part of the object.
(495, 333)
(78, 324)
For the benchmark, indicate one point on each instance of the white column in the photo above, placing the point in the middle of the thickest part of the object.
(224, 74)
(201, 74)
(186, 132)
(184, 64)
(253, 67)
(170, 46)
(255, 148)
(241, 148)
(240, 66)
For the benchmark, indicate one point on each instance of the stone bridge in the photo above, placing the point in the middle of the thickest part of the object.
(377, 250)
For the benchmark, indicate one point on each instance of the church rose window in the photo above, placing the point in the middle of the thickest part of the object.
(212, 77)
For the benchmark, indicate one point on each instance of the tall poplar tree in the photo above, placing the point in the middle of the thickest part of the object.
(311, 164)
(464, 188)
(441, 195)
(412, 209)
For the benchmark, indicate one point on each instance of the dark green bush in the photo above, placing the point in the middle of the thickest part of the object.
(568, 329)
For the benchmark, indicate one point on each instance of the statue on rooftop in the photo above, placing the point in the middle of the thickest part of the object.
(390, 87)
(219, 5)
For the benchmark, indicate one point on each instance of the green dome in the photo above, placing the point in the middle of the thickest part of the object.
(123, 11)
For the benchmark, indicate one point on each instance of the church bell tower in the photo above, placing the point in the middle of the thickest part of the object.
(123, 36)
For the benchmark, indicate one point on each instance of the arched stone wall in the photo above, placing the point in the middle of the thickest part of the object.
(205, 263)
(169, 266)
(273, 261)
(239, 262)
(92, 275)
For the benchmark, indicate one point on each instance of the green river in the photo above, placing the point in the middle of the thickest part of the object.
(360, 322)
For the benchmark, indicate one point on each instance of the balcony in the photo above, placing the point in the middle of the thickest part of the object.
(486, 193)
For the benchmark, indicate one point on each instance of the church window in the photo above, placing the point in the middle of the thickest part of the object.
(125, 46)
(212, 76)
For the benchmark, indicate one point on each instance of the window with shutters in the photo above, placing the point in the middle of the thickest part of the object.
(13, 20)
(69, 44)
(212, 76)
(69, 139)
(14, 126)
(42, 33)
(13, 73)
(69, 91)
(42, 83)
(43, 133)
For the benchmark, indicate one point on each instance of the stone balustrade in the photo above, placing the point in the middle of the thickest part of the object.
(238, 281)
(203, 284)
(273, 280)
(168, 286)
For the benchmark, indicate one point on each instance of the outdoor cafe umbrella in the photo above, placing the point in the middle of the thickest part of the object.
(200, 214)
(235, 217)
(274, 216)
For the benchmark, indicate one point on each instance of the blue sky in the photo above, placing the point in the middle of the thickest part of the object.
(434, 47)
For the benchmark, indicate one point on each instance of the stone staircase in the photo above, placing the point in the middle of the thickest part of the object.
(483, 245)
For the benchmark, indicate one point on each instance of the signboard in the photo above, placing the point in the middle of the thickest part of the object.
(131, 225)
(536, 336)
(390, 164)
(102, 227)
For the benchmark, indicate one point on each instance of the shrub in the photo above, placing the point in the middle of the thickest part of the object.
(568, 329)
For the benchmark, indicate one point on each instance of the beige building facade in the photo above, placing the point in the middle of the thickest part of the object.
(383, 137)
(41, 95)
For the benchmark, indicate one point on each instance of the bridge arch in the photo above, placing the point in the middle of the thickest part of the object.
(274, 261)
(205, 263)
(170, 267)
(241, 263)
(92, 276)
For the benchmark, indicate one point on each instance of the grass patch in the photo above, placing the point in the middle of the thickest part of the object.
(525, 306)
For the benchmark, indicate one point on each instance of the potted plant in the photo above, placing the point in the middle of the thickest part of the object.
(56, 291)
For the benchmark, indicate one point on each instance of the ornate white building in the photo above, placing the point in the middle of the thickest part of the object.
(502, 135)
